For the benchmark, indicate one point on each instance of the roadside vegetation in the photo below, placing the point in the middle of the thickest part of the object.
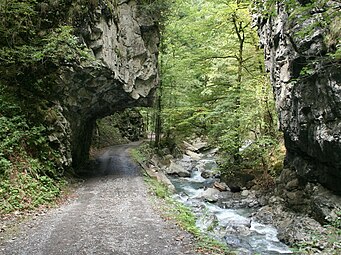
(29, 168)
(36, 40)
(176, 211)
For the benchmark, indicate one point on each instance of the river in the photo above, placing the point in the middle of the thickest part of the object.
(225, 216)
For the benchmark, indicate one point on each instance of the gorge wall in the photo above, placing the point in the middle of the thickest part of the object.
(124, 73)
(301, 40)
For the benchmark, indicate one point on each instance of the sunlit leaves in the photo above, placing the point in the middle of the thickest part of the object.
(213, 78)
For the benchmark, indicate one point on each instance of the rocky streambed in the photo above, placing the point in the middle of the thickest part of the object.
(249, 221)
(222, 214)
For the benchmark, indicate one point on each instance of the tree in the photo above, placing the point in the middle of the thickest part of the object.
(214, 82)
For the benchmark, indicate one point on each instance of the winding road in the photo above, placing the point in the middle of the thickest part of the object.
(111, 214)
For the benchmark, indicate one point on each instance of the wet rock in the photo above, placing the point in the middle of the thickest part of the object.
(208, 221)
(210, 195)
(169, 156)
(212, 152)
(165, 151)
(234, 188)
(294, 184)
(176, 169)
(245, 193)
(207, 165)
(207, 174)
(308, 198)
(155, 161)
(189, 146)
(238, 224)
(166, 160)
(200, 145)
(294, 228)
(294, 197)
(325, 206)
(264, 215)
(233, 241)
(186, 162)
(196, 145)
(239, 180)
(274, 200)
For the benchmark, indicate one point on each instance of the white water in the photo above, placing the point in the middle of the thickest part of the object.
(234, 226)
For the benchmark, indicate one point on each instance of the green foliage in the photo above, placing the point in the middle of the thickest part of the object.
(24, 191)
(214, 84)
(337, 221)
(31, 38)
(138, 155)
(35, 41)
(186, 218)
(156, 8)
(107, 133)
(29, 167)
(119, 128)
(157, 188)
(143, 153)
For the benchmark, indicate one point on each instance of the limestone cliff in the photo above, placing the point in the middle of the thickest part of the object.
(299, 42)
(124, 72)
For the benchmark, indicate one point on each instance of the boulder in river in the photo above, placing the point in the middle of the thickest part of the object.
(221, 186)
(196, 146)
(195, 156)
(176, 169)
(210, 195)
(207, 174)
(154, 172)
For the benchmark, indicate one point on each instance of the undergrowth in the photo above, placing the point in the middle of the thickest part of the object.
(26, 192)
(30, 173)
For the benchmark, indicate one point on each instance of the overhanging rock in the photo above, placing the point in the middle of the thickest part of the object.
(124, 73)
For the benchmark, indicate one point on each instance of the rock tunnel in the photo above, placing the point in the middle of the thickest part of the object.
(123, 74)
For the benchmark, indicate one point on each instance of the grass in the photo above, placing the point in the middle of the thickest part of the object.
(176, 211)
(185, 219)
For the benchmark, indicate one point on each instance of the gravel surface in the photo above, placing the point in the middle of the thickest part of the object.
(110, 214)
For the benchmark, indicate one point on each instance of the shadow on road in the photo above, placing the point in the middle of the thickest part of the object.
(113, 161)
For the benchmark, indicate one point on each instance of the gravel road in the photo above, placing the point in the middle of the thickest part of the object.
(110, 214)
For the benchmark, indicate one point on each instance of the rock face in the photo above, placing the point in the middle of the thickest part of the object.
(307, 86)
(124, 72)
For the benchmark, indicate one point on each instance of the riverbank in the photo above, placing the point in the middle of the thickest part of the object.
(236, 218)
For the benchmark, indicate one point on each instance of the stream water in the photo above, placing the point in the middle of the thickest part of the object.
(227, 219)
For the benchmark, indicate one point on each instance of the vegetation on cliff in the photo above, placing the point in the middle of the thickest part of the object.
(36, 39)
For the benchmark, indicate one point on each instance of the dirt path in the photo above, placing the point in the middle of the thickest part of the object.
(111, 214)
